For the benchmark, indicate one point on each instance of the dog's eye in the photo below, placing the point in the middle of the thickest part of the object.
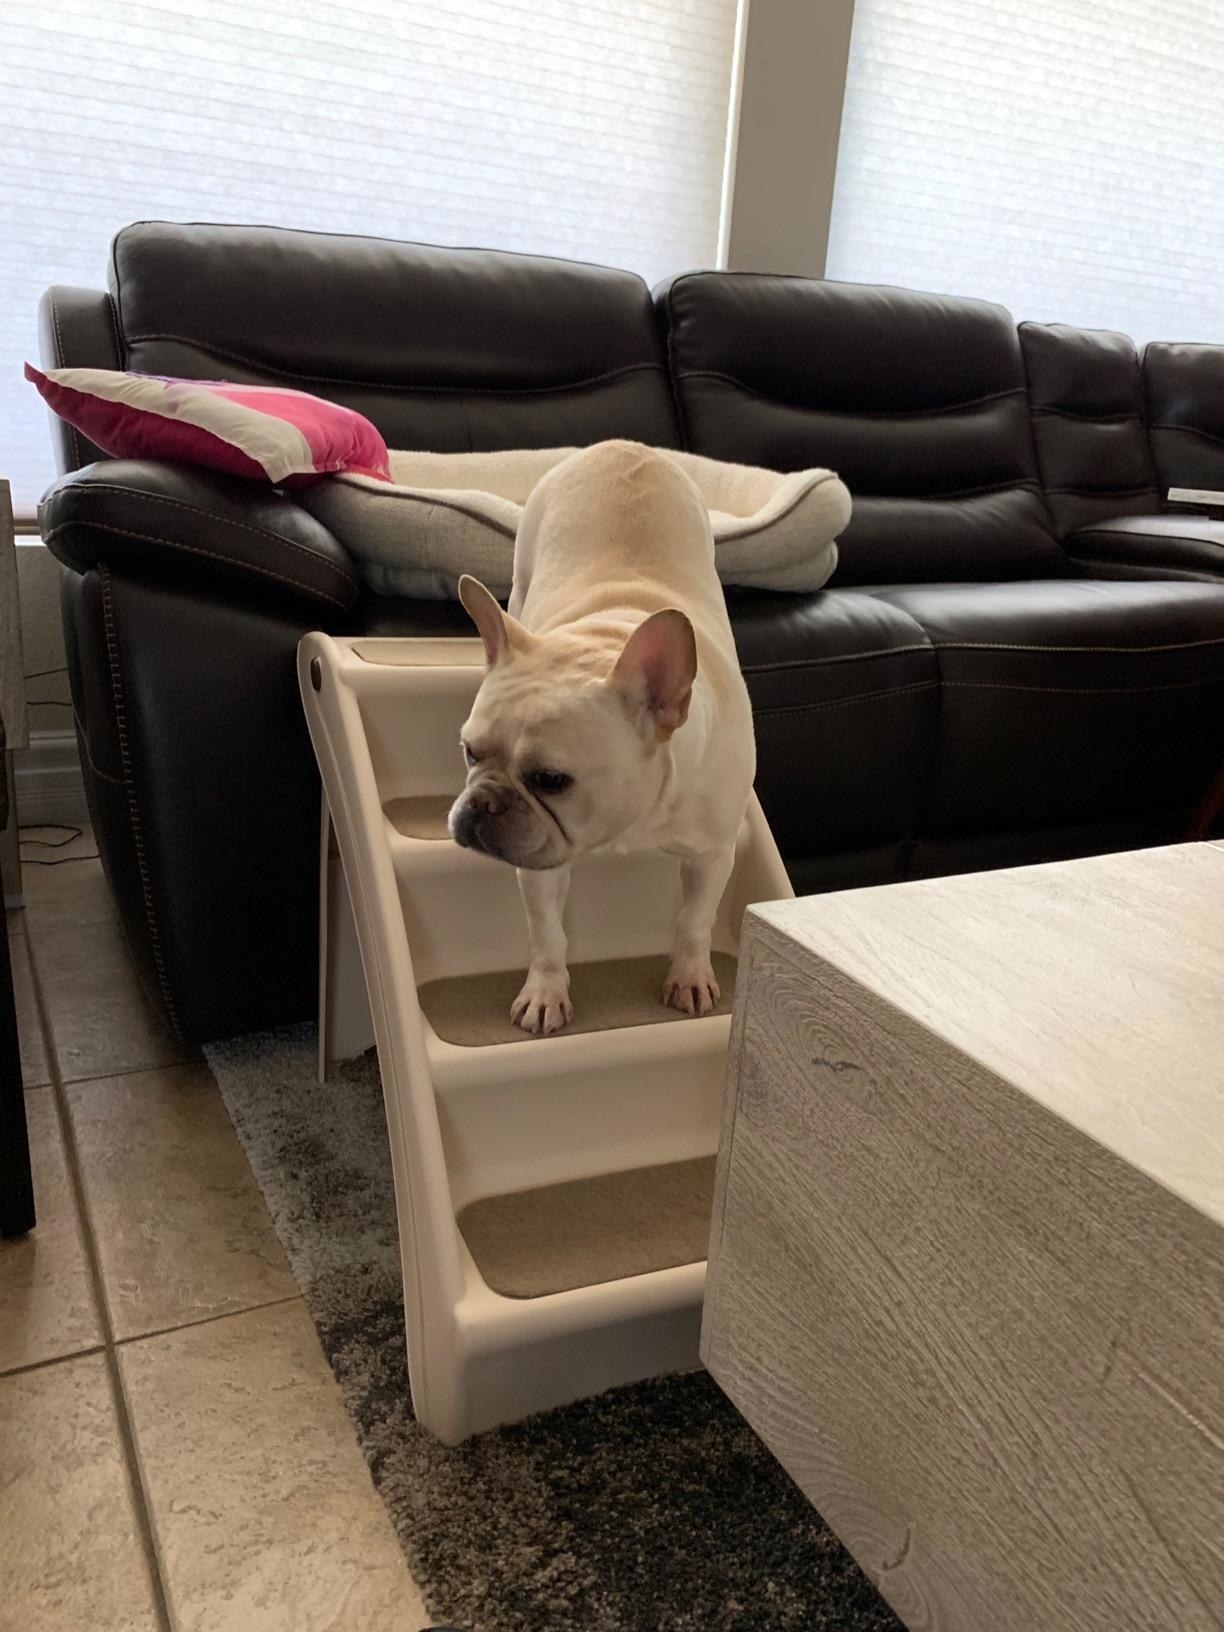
(469, 757)
(548, 781)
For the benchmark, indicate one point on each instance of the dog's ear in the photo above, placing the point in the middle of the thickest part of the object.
(498, 630)
(656, 669)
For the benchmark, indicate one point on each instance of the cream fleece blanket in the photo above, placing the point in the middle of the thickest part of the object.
(444, 514)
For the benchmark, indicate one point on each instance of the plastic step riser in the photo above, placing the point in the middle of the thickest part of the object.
(670, 1112)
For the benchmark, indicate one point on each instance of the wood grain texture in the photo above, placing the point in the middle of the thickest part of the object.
(987, 1344)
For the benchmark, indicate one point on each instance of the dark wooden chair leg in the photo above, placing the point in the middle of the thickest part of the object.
(16, 1182)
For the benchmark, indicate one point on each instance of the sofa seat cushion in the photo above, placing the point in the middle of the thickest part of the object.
(1066, 701)
(845, 700)
(1181, 544)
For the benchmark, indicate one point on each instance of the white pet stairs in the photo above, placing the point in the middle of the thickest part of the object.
(553, 1194)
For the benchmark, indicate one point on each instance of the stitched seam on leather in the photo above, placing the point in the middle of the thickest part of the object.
(1122, 571)
(1160, 538)
(92, 763)
(75, 435)
(399, 385)
(673, 374)
(845, 657)
(1086, 691)
(208, 515)
(850, 413)
(208, 555)
(114, 322)
(1089, 419)
(1104, 492)
(1022, 484)
(1191, 430)
(844, 702)
(146, 890)
(1004, 646)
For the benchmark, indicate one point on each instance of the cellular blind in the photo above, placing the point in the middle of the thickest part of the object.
(1062, 158)
(593, 129)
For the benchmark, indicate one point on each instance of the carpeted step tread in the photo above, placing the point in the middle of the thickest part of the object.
(422, 817)
(473, 1011)
(586, 1232)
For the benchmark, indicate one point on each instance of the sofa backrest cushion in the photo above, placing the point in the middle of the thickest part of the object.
(1184, 386)
(917, 401)
(445, 350)
(1087, 405)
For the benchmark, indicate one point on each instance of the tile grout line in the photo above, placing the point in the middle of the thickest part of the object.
(209, 1320)
(131, 1071)
(127, 1438)
(52, 1360)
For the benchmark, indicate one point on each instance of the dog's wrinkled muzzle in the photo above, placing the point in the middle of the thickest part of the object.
(496, 820)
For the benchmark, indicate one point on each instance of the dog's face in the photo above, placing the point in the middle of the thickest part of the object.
(562, 755)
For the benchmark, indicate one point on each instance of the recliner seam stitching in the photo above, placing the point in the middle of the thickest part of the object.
(60, 361)
(1088, 419)
(1105, 492)
(844, 657)
(112, 651)
(1190, 430)
(208, 555)
(118, 338)
(1085, 691)
(849, 413)
(86, 745)
(769, 712)
(1007, 646)
(197, 510)
(399, 385)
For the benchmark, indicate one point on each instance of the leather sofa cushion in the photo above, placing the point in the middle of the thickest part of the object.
(917, 401)
(1176, 545)
(1087, 408)
(1185, 407)
(443, 349)
(1065, 702)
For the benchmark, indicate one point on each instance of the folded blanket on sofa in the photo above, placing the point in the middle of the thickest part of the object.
(444, 514)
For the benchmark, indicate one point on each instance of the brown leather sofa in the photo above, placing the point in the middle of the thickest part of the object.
(1021, 656)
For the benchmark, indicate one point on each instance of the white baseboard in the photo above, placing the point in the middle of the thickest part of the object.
(47, 775)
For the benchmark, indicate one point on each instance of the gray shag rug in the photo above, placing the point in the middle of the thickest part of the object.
(653, 1508)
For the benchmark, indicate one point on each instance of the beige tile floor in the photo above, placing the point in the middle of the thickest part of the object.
(174, 1453)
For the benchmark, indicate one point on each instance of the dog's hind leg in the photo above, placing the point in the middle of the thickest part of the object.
(690, 985)
(543, 1006)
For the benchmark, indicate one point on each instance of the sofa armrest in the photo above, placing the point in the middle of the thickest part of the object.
(1156, 546)
(166, 521)
(77, 328)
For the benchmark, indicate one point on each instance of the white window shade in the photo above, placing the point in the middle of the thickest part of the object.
(1062, 158)
(594, 129)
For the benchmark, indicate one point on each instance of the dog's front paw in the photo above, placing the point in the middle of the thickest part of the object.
(543, 1006)
(691, 986)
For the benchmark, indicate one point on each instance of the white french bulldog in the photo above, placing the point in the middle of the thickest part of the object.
(613, 713)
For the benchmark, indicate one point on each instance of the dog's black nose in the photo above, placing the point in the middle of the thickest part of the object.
(463, 825)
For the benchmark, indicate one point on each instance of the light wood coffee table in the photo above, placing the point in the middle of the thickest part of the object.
(967, 1266)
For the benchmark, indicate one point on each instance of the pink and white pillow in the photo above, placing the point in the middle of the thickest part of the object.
(263, 431)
